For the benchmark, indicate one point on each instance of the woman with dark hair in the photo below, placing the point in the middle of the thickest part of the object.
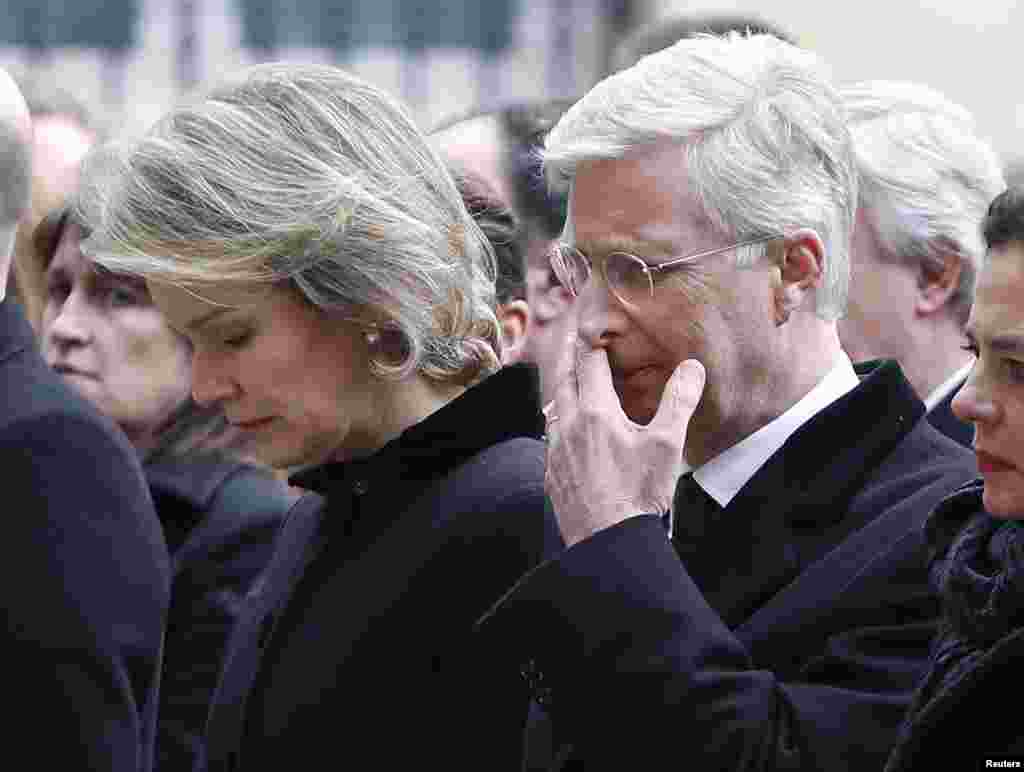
(101, 331)
(296, 226)
(963, 712)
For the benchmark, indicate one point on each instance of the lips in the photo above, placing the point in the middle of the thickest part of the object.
(255, 423)
(991, 464)
(66, 370)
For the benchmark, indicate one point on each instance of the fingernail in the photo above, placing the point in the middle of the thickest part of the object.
(699, 374)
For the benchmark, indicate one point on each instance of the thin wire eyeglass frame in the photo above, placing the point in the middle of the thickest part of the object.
(563, 273)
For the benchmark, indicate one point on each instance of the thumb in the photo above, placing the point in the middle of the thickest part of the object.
(682, 395)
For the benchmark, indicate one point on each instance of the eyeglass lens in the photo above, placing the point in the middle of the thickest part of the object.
(627, 276)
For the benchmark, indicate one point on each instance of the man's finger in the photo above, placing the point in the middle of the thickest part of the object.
(681, 396)
(555, 359)
(560, 386)
(594, 376)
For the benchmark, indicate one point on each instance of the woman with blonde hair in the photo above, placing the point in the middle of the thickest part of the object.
(296, 227)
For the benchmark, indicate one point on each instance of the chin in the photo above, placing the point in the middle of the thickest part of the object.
(1003, 505)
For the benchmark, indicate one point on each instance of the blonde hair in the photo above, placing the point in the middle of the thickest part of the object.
(305, 176)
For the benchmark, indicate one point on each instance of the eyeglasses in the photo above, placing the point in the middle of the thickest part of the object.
(629, 278)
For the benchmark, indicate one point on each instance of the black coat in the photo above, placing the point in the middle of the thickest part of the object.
(965, 711)
(796, 636)
(942, 418)
(373, 657)
(220, 518)
(84, 575)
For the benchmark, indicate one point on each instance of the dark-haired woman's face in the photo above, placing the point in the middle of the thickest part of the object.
(993, 397)
(105, 336)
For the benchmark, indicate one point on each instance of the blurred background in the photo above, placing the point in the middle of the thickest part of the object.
(131, 59)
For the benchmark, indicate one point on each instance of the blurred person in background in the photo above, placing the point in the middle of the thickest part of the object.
(541, 210)
(101, 332)
(962, 714)
(502, 148)
(501, 227)
(64, 128)
(340, 303)
(926, 180)
(83, 564)
(662, 33)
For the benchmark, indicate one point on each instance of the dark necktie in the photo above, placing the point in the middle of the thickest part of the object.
(694, 512)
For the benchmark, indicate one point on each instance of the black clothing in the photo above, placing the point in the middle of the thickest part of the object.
(220, 518)
(791, 636)
(372, 656)
(84, 575)
(942, 418)
(966, 705)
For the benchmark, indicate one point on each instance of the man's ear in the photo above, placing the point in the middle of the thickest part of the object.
(515, 326)
(937, 282)
(800, 264)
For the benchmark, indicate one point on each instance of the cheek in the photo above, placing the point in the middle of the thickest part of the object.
(156, 355)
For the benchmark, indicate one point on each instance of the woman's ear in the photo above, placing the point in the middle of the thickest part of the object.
(515, 326)
(800, 265)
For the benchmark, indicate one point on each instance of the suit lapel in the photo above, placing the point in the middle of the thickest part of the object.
(942, 418)
(795, 508)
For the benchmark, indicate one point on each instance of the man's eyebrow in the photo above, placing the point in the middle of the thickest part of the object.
(621, 244)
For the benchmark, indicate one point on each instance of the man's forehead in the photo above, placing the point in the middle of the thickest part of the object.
(624, 205)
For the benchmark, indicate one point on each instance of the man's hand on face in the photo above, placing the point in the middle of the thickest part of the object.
(601, 467)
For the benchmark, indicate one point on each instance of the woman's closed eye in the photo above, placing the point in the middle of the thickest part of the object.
(235, 339)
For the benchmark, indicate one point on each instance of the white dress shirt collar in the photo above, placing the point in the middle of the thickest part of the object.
(950, 384)
(724, 475)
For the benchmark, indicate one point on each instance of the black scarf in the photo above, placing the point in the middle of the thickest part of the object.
(977, 566)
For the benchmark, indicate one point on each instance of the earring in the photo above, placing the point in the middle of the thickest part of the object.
(372, 337)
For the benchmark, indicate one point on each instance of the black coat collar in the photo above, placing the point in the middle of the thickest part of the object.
(503, 406)
(193, 480)
(16, 333)
(796, 507)
(823, 464)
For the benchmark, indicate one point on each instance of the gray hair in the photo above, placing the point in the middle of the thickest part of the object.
(760, 128)
(16, 172)
(306, 176)
(926, 177)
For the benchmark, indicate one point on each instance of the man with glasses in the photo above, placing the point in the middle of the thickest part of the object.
(775, 615)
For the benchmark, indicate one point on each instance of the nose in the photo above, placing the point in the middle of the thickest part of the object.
(210, 383)
(600, 316)
(72, 326)
(972, 404)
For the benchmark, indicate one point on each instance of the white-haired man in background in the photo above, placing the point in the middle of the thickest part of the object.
(926, 179)
(786, 619)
